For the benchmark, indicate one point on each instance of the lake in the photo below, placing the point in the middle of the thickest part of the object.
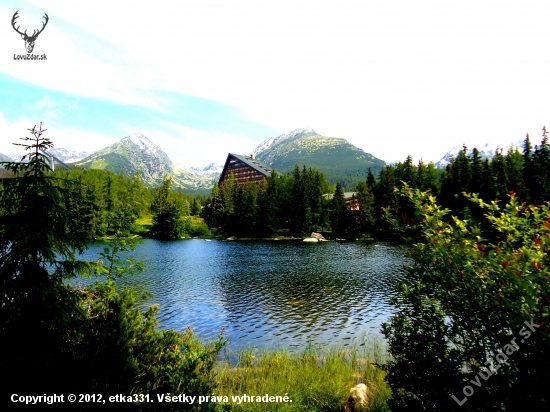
(270, 293)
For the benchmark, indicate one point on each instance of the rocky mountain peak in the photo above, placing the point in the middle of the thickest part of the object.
(142, 141)
(273, 141)
(302, 132)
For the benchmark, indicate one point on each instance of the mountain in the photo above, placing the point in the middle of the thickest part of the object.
(4, 158)
(210, 170)
(205, 176)
(67, 156)
(14, 157)
(335, 157)
(136, 153)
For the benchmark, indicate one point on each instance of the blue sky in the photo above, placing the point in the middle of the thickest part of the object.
(205, 78)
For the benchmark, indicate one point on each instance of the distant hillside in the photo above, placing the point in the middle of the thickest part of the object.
(4, 158)
(338, 159)
(136, 153)
(68, 156)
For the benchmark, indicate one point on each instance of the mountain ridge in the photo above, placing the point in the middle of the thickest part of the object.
(337, 158)
(137, 153)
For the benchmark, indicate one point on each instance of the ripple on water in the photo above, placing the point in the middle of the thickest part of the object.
(265, 293)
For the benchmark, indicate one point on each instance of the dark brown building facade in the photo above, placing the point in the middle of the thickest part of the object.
(245, 169)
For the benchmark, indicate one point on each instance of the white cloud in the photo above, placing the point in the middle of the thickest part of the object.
(68, 138)
(53, 110)
(80, 140)
(12, 133)
(192, 147)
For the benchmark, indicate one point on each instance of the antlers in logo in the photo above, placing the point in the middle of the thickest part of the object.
(29, 40)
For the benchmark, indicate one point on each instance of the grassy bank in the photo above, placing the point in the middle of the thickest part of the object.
(316, 379)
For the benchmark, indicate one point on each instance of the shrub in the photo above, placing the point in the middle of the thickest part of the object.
(473, 295)
(196, 227)
(126, 354)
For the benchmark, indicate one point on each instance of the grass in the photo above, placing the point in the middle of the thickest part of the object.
(98, 164)
(193, 226)
(143, 225)
(317, 379)
(145, 221)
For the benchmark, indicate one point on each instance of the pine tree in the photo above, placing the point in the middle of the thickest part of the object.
(528, 169)
(268, 205)
(462, 174)
(500, 175)
(371, 180)
(301, 219)
(39, 236)
(246, 214)
(447, 192)
(409, 173)
(541, 161)
(514, 171)
(420, 182)
(166, 220)
(364, 218)
(477, 172)
(338, 218)
(431, 181)
(316, 199)
(385, 197)
(195, 207)
(487, 190)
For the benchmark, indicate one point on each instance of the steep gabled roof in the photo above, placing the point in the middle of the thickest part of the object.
(253, 163)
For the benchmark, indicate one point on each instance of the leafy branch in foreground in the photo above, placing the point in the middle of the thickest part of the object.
(474, 291)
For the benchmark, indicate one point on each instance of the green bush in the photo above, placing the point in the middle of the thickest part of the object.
(195, 227)
(475, 294)
(126, 354)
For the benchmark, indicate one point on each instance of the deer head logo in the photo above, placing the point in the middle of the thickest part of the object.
(29, 40)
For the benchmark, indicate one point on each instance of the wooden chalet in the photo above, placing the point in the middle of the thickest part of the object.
(244, 169)
(349, 197)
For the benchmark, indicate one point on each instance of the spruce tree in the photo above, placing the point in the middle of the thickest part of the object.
(432, 179)
(514, 171)
(339, 215)
(477, 172)
(364, 218)
(39, 236)
(371, 180)
(385, 197)
(462, 177)
(420, 182)
(500, 175)
(528, 169)
(269, 205)
(409, 173)
(166, 219)
(487, 190)
(447, 195)
(541, 160)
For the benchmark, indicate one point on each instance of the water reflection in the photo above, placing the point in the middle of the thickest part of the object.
(271, 293)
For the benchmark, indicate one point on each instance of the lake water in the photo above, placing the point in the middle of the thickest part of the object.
(271, 294)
